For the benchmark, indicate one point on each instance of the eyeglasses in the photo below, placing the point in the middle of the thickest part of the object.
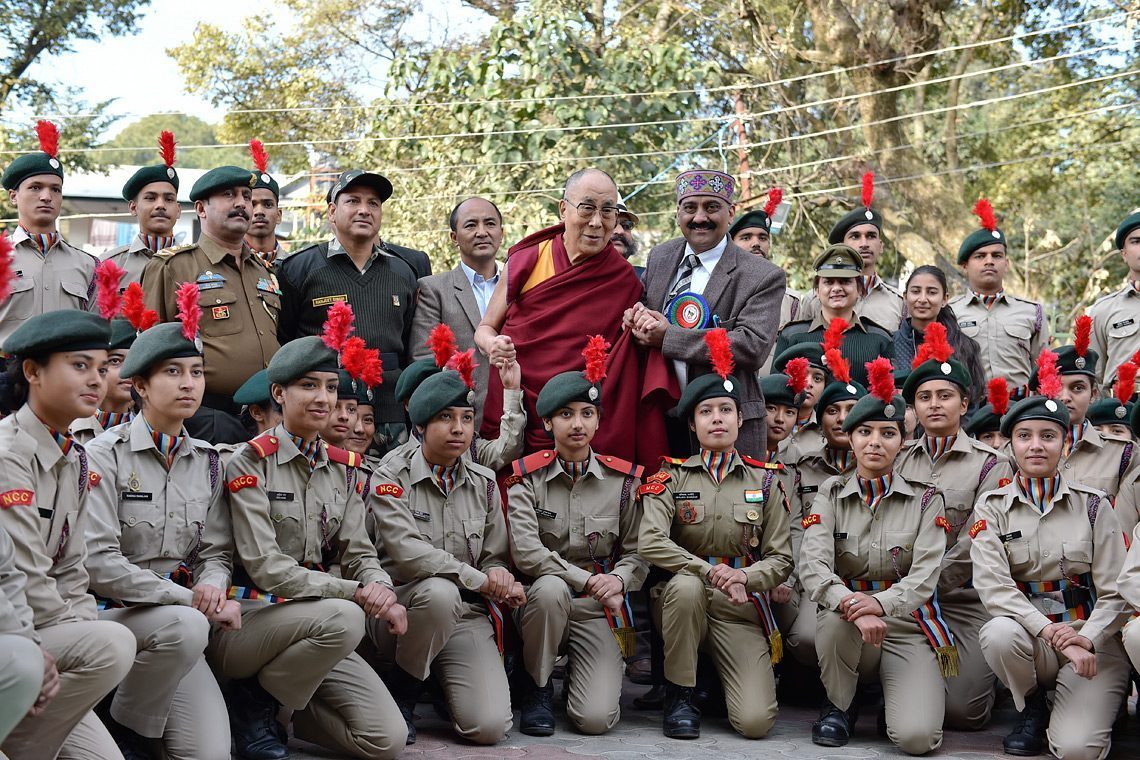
(626, 225)
(587, 211)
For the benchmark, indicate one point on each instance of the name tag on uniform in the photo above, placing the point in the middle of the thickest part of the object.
(209, 285)
(968, 323)
(425, 516)
(1007, 537)
(807, 489)
(329, 300)
(545, 513)
(279, 496)
(686, 495)
(1125, 323)
(46, 512)
(839, 536)
(136, 496)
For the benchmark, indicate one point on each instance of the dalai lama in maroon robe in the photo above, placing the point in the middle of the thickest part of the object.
(560, 286)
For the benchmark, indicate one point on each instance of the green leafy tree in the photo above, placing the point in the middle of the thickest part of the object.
(188, 131)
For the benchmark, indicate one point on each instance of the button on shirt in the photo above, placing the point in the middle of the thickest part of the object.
(481, 287)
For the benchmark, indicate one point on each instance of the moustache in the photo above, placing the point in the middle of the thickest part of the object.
(236, 213)
(701, 226)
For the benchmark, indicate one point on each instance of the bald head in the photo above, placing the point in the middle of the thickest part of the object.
(595, 179)
(588, 210)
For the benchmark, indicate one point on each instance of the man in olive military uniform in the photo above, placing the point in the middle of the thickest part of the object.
(1116, 317)
(152, 197)
(49, 273)
(264, 209)
(240, 299)
(1010, 331)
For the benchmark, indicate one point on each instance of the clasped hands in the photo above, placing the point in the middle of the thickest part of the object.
(648, 326)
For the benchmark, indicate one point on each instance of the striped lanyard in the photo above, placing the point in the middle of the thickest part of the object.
(110, 419)
(167, 445)
(308, 450)
(870, 282)
(1073, 436)
(445, 476)
(42, 241)
(1038, 491)
(574, 469)
(990, 300)
(937, 445)
(64, 440)
(267, 257)
(718, 463)
(839, 459)
(874, 489)
(156, 243)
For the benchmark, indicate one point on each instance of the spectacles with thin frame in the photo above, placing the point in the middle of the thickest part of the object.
(586, 210)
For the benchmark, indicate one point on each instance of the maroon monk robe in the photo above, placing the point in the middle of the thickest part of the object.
(550, 324)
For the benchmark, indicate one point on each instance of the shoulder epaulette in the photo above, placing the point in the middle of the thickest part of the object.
(166, 253)
(343, 456)
(533, 462)
(265, 445)
(764, 465)
(617, 464)
(672, 460)
(890, 288)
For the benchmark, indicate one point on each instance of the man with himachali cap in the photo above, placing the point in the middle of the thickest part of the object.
(50, 273)
(702, 281)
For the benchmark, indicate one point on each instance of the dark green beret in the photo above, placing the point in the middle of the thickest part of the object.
(853, 218)
(255, 390)
(411, 377)
(157, 344)
(146, 175)
(813, 352)
(753, 218)
(951, 370)
(901, 374)
(122, 334)
(1068, 363)
(705, 387)
(1108, 411)
(438, 392)
(222, 178)
(982, 421)
(836, 392)
(1134, 419)
(59, 332)
(838, 260)
(365, 396)
(1130, 223)
(563, 389)
(873, 409)
(29, 165)
(1035, 408)
(377, 182)
(346, 388)
(977, 239)
(297, 357)
(776, 390)
(265, 181)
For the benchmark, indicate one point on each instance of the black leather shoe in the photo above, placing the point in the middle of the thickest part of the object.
(654, 699)
(682, 719)
(537, 715)
(833, 729)
(253, 722)
(405, 690)
(1028, 736)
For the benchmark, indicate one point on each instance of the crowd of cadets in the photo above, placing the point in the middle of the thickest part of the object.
(212, 525)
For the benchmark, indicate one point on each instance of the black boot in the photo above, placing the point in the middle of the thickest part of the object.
(405, 690)
(253, 722)
(1028, 736)
(682, 719)
(537, 715)
(833, 729)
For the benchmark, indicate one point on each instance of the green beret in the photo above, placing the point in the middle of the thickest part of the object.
(705, 387)
(364, 395)
(265, 181)
(147, 175)
(838, 260)
(346, 388)
(836, 392)
(411, 377)
(982, 421)
(297, 357)
(776, 390)
(1108, 411)
(901, 374)
(951, 370)
(1068, 363)
(59, 332)
(255, 390)
(29, 165)
(377, 182)
(813, 352)
(1130, 223)
(978, 239)
(436, 393)
(123, 334)
(1035, 408)
(157, 344)
(1134, 419)
(222, 178)
(753, 218)
(871, 408)
(853, 218)
(564, 389)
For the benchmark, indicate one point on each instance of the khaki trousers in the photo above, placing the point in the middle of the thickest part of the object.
(21, 677)
(969, 695)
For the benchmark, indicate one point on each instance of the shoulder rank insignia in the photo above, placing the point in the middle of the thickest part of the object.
(166, 253)
(672, 460)
(242, 481)
(617, 464)
(533, 462)
(810, 520)
(757, 463)
(1004, 482)
(16, 497)
(659, 477)
(653, 488)
(389, 489)
(342, 456)
(265, 445)
(512, 480)
(93, 479)
(977, 528)
(943, 523)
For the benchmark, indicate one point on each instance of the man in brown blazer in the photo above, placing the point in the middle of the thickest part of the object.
(460, 296)
(702, 281)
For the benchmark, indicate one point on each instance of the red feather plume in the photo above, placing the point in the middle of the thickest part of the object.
(880, 375)
(868, 188)
(48, 134)
(7, 273)
(997, 394)
(775, 197)
(108, 275)
(595, 355)
(1082, 331)
(720, 351)
(1048, 378)
(1125, 382)
(338, 325)
(441, 341)
(135, 310)
(464, 363)
(985, 213)
(832, 354)
(188, 309)
(362, 363)
(797, 371)
(166, 147)
(934, 345)
(260, 157)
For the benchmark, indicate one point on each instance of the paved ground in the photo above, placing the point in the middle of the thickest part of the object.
(638, 735)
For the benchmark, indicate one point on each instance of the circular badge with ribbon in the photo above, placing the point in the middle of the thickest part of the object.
(688, 310)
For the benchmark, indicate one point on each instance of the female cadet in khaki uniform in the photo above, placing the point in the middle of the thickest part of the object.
(1047, 552)
(870, 557)
(299, 535)
(962, 469)
(806, 434)
(55, 376)
(441, 533)
(573, 529)
(719, 521)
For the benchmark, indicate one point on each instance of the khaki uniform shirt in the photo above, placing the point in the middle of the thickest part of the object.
(287, 521)
(43, 495)
(1115, 333)
(803, 441)
(1128, 581)
(86, 429)
(144, 520)
(1099, 461)
(687, 517)
(1013, 541)
(240, 303)
(15, 614)
(810, 472)
(132, 258)
(421, 533)
(64, 279)
(559, 526)
(1128, 501)
(1010, 335)
(901, 541)
(883, 305)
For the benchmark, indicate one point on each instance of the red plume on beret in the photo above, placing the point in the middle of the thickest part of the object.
(1125, 382)
(189, 312)
(338, 325)
(880, 374)
(833, 357)
(441, 341)
(797, 372)
(720, 351)
(48, 134)
(361, 363)
(1082, 331)
(997, 394)
(108, 275)
(868, 188)
(260, 157)
(1048, 378)
(7, 273)
(775, 197)
(934, 345)
(464, 363)
(135, 310)
(985, 213)
(166, 147)
(595, 356)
